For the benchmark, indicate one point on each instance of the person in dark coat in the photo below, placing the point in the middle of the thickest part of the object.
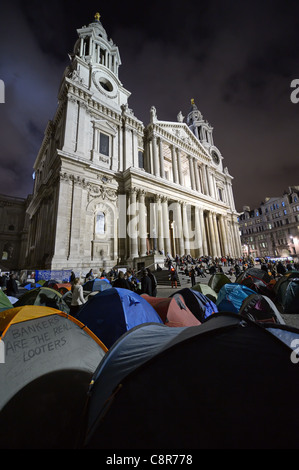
(12, 286)
(280, 268)
(192, 275)
(146, 284)
(121, 281)
(153, 281)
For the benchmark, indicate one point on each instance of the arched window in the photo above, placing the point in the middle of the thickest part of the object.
(100, 223)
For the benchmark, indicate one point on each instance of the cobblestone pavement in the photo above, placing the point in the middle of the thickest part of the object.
(166, 291)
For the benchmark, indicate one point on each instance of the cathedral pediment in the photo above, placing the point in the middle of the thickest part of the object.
(105, 126)
(182, 133)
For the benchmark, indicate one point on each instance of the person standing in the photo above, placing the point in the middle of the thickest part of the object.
(192, 275)
(77, 297)
(121, 281)
(146, 285)
(173, 278)
(11, 286)
(153, 282)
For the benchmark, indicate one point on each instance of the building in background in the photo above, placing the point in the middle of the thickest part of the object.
(13, 232)
(273, 228)
(109, 190)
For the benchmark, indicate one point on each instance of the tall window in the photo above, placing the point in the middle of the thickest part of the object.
(104, 144)
(140, 159)
(100, 223)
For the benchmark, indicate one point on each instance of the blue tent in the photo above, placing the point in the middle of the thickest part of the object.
(111, 313)
(199, 304)
(97, 285)
(231, 296)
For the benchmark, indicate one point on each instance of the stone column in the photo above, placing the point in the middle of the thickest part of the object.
(210, 182)
(179, 166)
(174, 164)
(217, 242)
(197, 182)
(205, 180)
(198, 234)
(203, 232)
(186, 229)
(70, 123)
(224, 237)
(161, 158)
(165, 225)
(178, 229)
(212, 235)
(133, 225)
(142, 222)
(155, 156)
(191, 170)
(159, 223)
(237, 238)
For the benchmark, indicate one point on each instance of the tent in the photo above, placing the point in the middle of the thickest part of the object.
(218, 280)
(257, 280)
(97, 285)
(172, 310)
(62, 288)
(260, 308)
(31, 285)
(45, 296)
(112, 312)
(198, 304)
(282, 284)
(206, 290)
(255, 272)
(5, 302)
(290, 302)
(231, 296)
(49, 361)
(226, 384)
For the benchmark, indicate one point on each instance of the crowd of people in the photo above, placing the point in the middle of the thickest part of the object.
(145, 282)
(200, 267)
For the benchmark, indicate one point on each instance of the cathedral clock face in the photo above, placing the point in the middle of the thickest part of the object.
(215, 157)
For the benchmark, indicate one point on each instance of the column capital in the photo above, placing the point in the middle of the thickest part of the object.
(141, 192)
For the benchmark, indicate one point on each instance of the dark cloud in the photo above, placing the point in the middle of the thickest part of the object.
(236, 59)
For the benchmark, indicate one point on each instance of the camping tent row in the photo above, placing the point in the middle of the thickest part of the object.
(284, 293)
(70, 392)
(149, 393)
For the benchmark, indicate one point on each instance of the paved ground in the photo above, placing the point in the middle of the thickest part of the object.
(166, 291)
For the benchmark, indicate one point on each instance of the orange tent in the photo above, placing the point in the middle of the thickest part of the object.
(172, 310)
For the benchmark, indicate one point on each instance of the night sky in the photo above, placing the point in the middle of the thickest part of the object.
(236, 59)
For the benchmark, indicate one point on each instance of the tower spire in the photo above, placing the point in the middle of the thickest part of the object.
(97, 16)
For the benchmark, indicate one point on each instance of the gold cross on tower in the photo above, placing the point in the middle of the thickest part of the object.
(97, 16)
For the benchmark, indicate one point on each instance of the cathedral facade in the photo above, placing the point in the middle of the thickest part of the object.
(107, 187)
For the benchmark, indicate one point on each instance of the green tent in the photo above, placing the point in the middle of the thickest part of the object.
(206, 290)
(44, 296)
(5, 303)
(218, 280)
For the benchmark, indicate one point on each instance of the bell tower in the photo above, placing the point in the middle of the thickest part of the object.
(203, 131)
